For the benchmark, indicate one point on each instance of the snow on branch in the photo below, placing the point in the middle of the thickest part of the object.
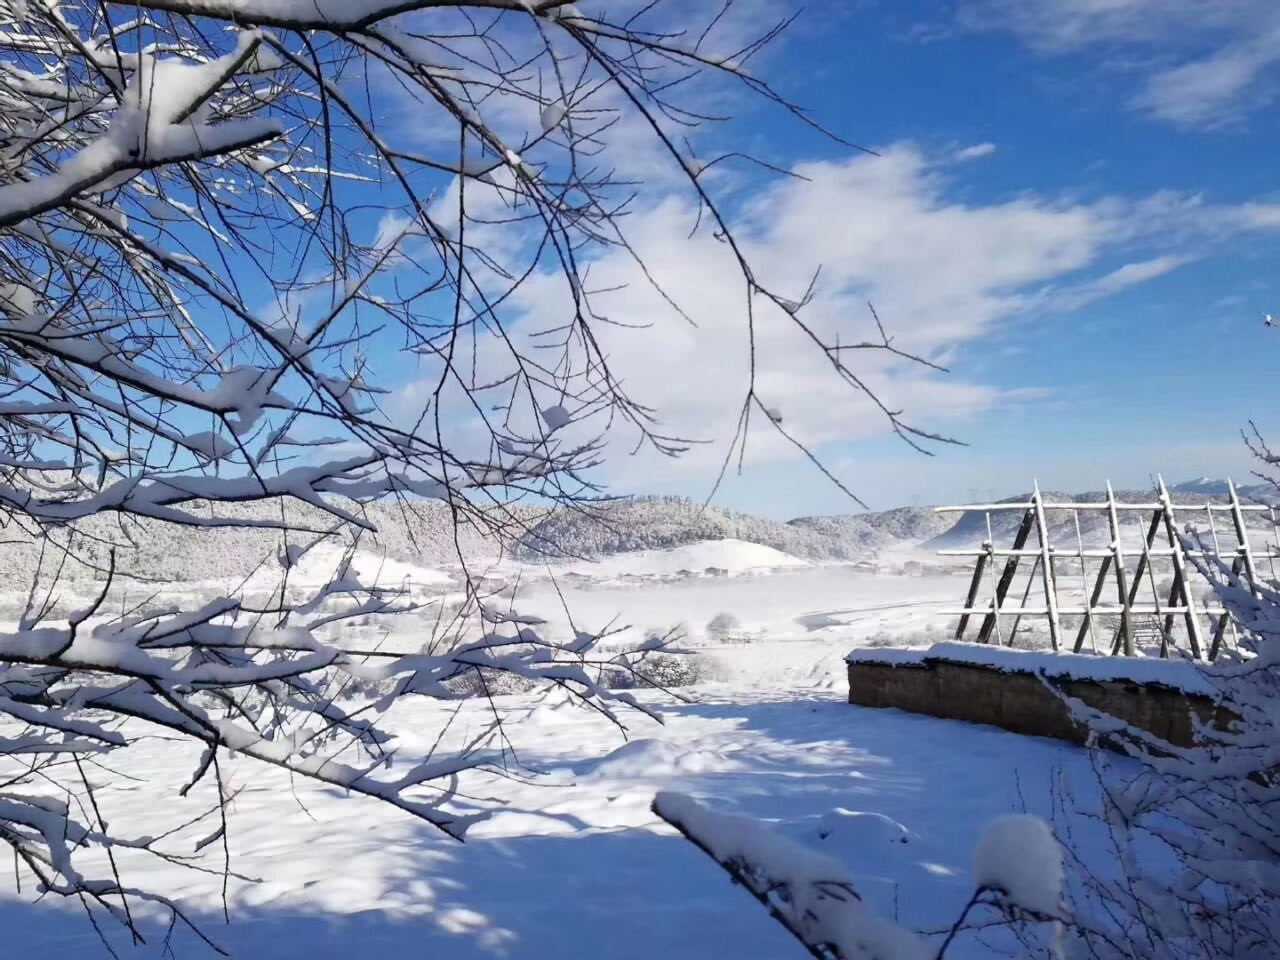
(159, 122)
(283, 691)
(810, 894)
(171, 168)
(254, 251)
(1018, 873)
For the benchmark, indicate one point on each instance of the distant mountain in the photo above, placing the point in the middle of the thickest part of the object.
(874, 530)
(423, 533)
(418, 532)
(1217, 489)
(658, 523)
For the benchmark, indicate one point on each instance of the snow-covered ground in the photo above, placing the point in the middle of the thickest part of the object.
(575, 864)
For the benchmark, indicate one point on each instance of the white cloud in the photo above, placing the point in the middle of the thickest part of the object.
(975, 152)
(1066, 25)
(1132, 274)
(885, 229)
(1114, 281)
(1207, 90)
(1165, 41)
(1252, 216)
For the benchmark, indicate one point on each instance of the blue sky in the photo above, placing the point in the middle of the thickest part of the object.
(1073, 205)
(1144, 135)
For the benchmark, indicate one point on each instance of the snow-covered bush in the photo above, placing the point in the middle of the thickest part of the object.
(664, 671)
(925, 636)
(1197, 830)
(723, 626)
(487, 682)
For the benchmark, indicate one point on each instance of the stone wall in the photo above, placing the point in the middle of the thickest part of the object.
(1027, 702)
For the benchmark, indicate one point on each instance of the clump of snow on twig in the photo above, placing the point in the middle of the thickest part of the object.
(1019, 856)
(556, 417)
(552, 114)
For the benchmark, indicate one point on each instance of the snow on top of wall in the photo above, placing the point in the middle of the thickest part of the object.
(1181, 675)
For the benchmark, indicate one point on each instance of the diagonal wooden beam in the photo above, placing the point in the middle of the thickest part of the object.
(1006, 576)
(974, 585)
(1221, 625)
(1093, 602)
(1181, 585)
(1046, 567)
(1136, 585)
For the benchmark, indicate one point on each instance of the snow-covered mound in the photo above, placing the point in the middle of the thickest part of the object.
(1218, 489)
(317, 566)
(722, 557)
(874, 531)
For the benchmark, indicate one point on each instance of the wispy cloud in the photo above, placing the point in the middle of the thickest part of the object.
(1116, 280)
(1132, 274)
(1211, 89)
(975, 152)
(1164, 42)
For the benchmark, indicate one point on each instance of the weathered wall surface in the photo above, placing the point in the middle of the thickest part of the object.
(1027, 702)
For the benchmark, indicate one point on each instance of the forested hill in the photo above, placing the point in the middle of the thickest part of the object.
(423, 533)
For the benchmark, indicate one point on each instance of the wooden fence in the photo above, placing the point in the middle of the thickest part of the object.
(1138, 615)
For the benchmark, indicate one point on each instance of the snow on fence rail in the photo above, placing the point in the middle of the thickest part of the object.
(1138, 607)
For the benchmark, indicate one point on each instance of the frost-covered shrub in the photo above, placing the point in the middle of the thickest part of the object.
(484, 682)
(883, 638)
(1031, 636)
(1197, 830)
(666, 671)
(722, 626)
(925, 636)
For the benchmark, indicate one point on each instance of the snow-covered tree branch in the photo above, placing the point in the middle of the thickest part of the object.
(1018, 873)
(228, 228)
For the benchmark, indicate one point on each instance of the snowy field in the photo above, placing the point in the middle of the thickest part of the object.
(575, 863)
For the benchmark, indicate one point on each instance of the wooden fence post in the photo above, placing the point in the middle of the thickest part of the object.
(1137, 576)
(1086, 625)
(1242, 537)
(1125, 634)
(1046, 565)
(1101, 582)
(1180, 581)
